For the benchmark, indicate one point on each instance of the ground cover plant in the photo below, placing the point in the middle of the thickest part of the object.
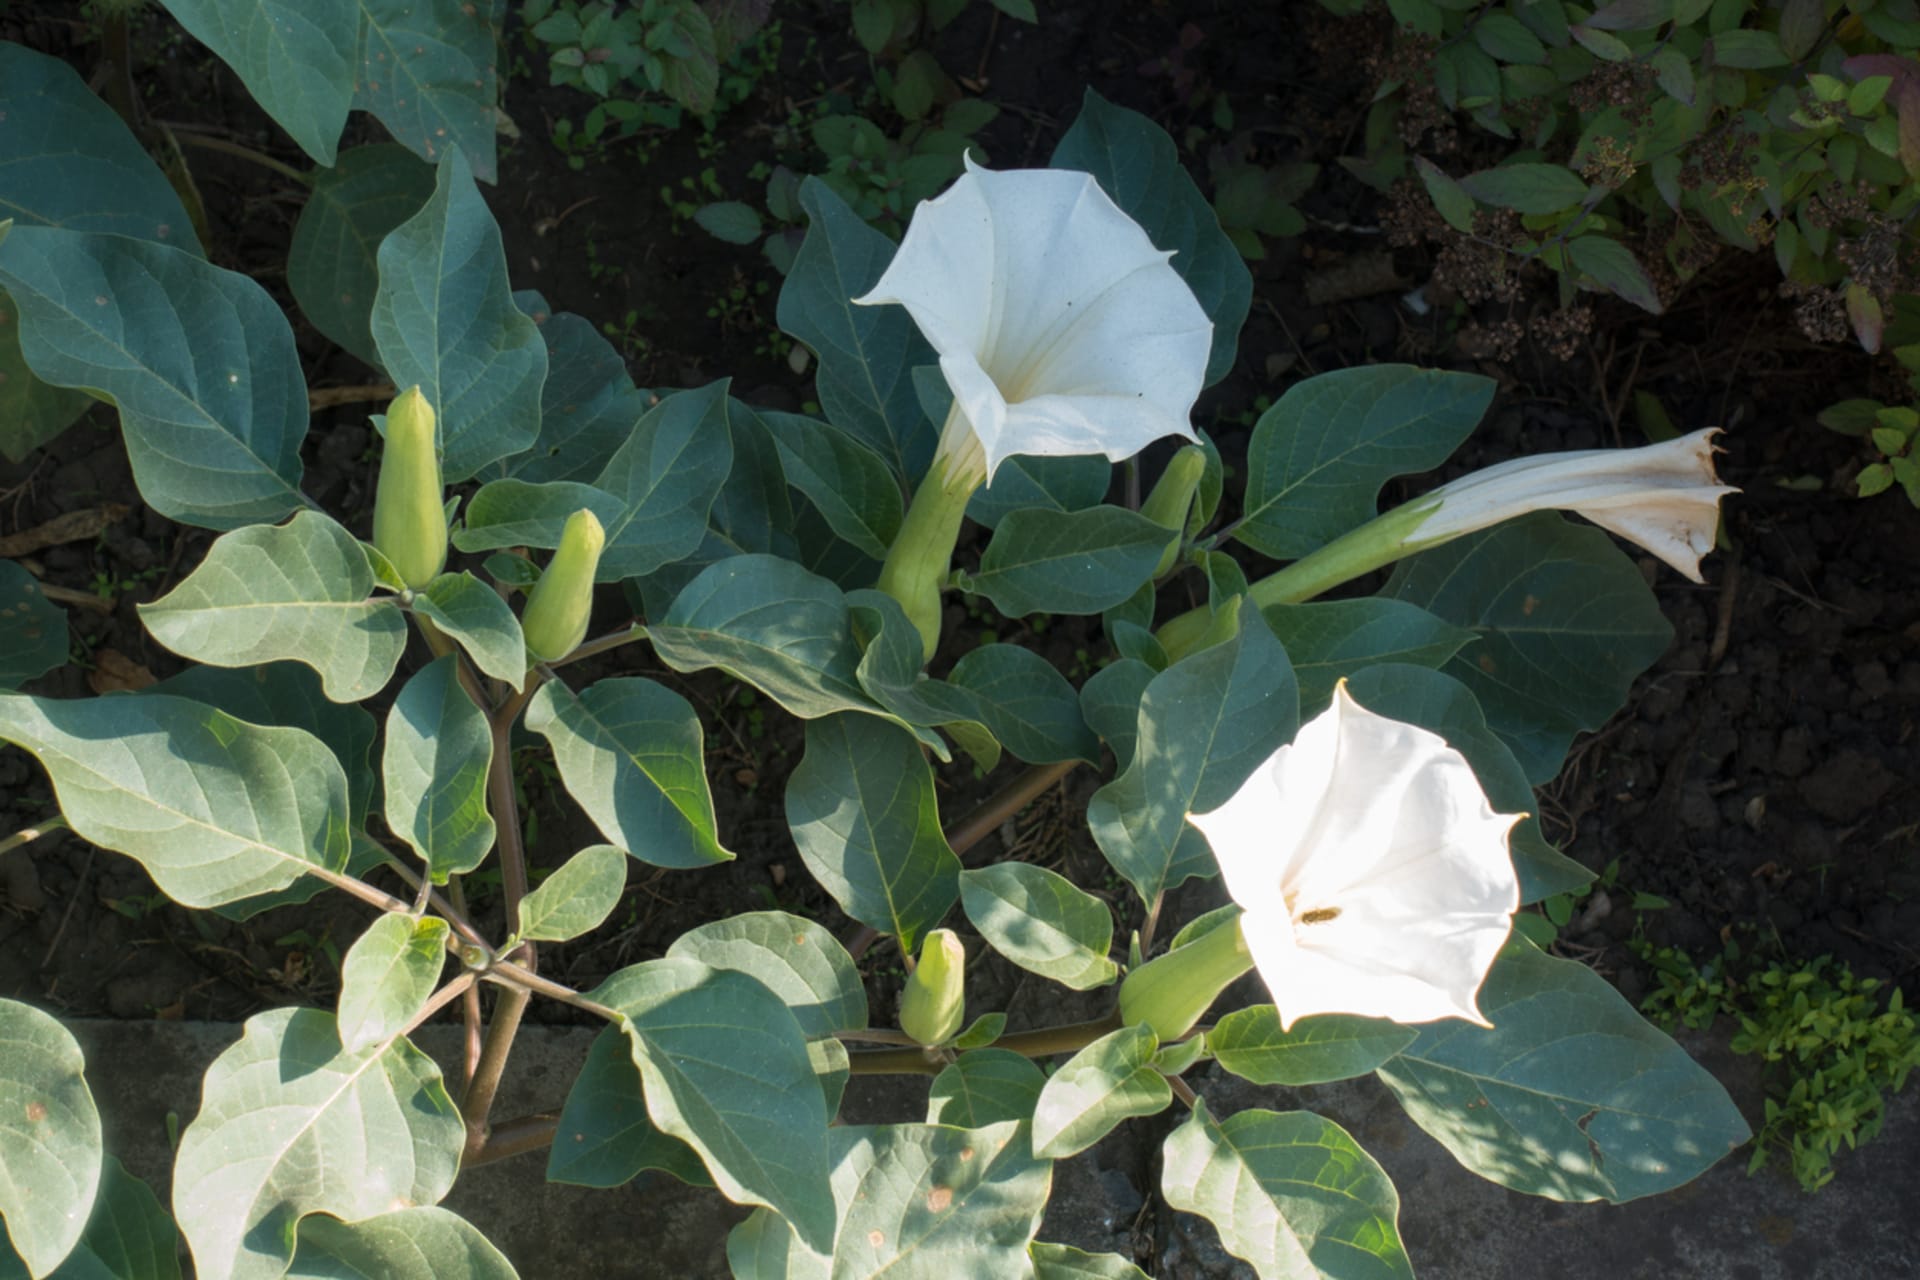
(749, 541)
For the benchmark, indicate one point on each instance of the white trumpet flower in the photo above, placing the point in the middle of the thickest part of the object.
(1060, 328)
(1664, 497)
(1372, 873)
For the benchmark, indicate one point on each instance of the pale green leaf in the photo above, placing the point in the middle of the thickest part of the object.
(473, 613)
(1105, 1083)
(214, 808)
(1042, 922)
(1063, 1262)
(1204, 724)
(575, 899)
(66, 160)
(845, 480)
(290, 1124)
(913, 1200)
(631, 752)
(983, 1087)
(420, 1243)
(435, 764)
(296, 591)
(1290, 1192)
(50, 1149)
(651, 498)
(796, 959)
(387, 976)
(588, 404)
(1334, 1046)
(1328, 640)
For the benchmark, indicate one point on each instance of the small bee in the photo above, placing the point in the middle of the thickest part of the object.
(1320, 915)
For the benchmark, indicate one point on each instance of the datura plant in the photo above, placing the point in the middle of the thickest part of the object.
(1357, 770)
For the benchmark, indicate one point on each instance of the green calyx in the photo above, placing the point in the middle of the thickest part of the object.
(933, 1004)
(561, 603)
(1172, 498)
(922, 552)
(1170, 992)
(409, 511)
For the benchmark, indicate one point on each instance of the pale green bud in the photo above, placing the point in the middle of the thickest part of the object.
(933, 1004)
(561, 603)
(409, 505)
(1172, 496)
(1170, 992)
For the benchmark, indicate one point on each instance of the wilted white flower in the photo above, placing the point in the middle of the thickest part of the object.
(1664, 497)
(1060, 328)
(1372, 873)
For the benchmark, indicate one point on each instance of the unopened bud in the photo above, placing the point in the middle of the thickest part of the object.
(1172, 496)
(562, 601)
(1170, 992)
(933, 1004)
(409, 505)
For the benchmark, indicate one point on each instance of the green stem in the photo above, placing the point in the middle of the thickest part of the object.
(1374, 545)
(27, 835)
(1004, 803)
(1044, 1042)
(209, 143)
(922, 552)
(602, 643)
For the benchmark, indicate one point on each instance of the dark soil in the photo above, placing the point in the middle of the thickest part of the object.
(1762, 775)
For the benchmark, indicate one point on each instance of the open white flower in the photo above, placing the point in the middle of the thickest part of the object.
(1373, 874)
(1060, 328)
(1664, 497)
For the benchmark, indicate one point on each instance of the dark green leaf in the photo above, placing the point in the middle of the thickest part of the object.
(866, 353)
(427, 73)
(199, 360)
(1319, 456)
(1138, 166)
(296, 60)
(33, 633)
(983, 1087)
(862, 809)
(333, 264)
(1076, 562)
(1570, 1095)
(444, 319)
(1565, 623)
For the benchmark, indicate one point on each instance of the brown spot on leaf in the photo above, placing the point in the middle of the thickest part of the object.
(876, 1238)
(1486, 663)
(1528, 605)
(36, 1112)
(938, 1199)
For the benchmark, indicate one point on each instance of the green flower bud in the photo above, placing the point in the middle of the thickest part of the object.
(934, 1002)
(409, 506)
(1172, 496)
(562, 601)
(1170, 992)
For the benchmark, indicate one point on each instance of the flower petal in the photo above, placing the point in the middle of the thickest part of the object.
(1060, 328)
(1373, 873)
(1665, 497)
